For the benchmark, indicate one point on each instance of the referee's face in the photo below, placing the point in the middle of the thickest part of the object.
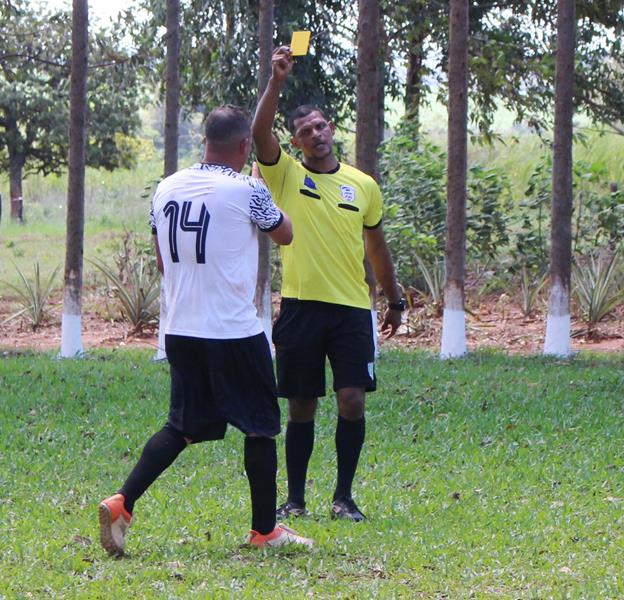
(314, 135)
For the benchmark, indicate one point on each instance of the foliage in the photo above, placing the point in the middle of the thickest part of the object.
(597, 217)
(135, 282)
(413, 185)
(597, 285)
(487, 214)
(511, 58)
(219, 53)
(33, 296)
(35, 52)
(473, 442)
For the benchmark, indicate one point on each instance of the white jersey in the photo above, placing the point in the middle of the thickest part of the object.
(206, 218)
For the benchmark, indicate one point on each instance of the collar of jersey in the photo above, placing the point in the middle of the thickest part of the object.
(321, 172)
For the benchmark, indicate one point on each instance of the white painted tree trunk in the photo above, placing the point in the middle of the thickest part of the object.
(264, 313)
(453, 325)
(161, 353)
(558, 323)
(71, 336)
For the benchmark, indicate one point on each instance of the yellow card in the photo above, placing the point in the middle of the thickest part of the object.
(299, 43)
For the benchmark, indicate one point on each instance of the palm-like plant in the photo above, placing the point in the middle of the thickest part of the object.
(433, 274)
(33, 296)
(597, 287)
(530, 287)
(138, 295)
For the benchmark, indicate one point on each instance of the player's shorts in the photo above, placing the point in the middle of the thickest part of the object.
(216, 382)
(306, 332)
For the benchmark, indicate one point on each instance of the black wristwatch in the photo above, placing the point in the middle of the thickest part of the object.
(401, 305)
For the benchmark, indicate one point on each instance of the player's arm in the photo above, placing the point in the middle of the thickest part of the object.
(267, 145)
(283, 233)
(378, 254)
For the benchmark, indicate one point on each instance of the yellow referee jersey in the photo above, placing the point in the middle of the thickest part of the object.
(325, 261)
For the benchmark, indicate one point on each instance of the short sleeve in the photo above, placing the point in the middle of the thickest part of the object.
(374, 213)
(262, 209)
(275, 175)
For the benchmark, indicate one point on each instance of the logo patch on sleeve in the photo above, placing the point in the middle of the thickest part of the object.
(348, 193)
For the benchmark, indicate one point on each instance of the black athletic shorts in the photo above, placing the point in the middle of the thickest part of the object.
(306, 332)
(216, 382)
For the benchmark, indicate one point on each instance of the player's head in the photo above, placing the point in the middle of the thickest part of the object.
(227, 131)
(312, 132)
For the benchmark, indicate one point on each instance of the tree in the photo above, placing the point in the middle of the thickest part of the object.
(453, 323)
(263, 285)
(220, 53)
(71, 343)
(172, 94)
(557, 340)
(510, 59)
(367, 88)
(34, 93)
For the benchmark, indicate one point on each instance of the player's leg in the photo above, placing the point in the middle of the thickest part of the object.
(115, 513)
(261, 469)
(300, 356)
(351, 354)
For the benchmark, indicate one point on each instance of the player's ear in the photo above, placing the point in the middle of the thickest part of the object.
(332, 127)
(294, 142)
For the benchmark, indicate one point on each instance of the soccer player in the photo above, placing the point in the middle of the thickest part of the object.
(206, 220)
(336, 211)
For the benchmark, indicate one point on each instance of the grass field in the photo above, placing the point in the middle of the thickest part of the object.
(490, 477)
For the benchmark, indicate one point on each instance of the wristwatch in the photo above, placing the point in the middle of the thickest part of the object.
(401, 305)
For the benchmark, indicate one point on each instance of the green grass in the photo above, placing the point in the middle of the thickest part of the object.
(486, 477)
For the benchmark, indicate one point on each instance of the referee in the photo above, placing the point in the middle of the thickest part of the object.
(336, 212)
(206, 220)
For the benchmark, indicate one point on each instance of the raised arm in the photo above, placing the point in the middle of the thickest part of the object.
(378, 254)
(267, 145)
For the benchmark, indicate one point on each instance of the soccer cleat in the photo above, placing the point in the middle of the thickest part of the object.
(346, 508)
(291, 509)
(280, 536)
(114, 522)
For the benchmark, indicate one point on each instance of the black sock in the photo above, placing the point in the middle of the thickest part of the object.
(349, 442)
(159, 453)
(261, 469)
(299, 445)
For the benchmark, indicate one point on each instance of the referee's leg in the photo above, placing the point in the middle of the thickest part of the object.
(350, 433)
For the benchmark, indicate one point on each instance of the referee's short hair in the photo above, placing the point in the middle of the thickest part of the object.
(227, 124)
(302, 111)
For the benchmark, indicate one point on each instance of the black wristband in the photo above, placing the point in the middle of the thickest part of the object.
(401, 305)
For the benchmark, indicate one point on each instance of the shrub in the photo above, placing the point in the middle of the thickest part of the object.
(33, 296)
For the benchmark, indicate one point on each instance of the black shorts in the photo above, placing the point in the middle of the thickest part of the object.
(306, 332)
(216, 382)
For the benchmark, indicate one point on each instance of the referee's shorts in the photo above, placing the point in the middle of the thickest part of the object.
(216, 382)
(307, 332)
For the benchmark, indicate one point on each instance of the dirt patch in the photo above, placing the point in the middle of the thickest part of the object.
(495, 323)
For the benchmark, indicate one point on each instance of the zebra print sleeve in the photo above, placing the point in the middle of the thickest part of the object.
(263, 211)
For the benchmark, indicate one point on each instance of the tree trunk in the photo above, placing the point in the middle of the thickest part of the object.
(367, 88)
(172, 94)
(453, 323)
(557, 340)
(413, 82)
(172, 126)
(16, 166)
(71, 342)
(263, 285)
